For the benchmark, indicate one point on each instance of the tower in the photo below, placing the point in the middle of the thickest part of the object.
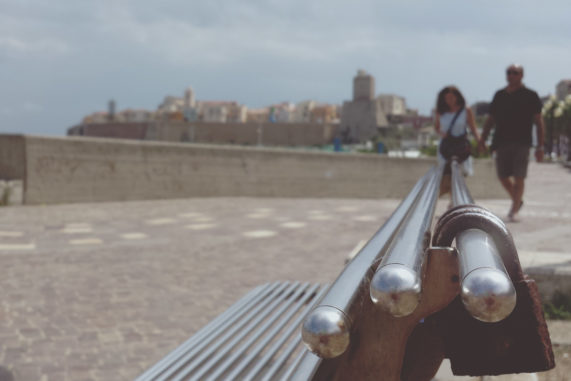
(111, 112)
(363, 86)
(189, 101)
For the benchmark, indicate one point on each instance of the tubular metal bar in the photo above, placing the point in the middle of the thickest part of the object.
(396, 285)
(222, 368)
(296, 342)
(305, 367)
(326, 329)
(460, 193)
(286, 353)
(236, 337)
(235, 311)
(235, 323)
(486, 289)
(287, 376)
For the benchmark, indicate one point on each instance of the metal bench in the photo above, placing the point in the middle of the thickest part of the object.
(251, 340)
(406, 301)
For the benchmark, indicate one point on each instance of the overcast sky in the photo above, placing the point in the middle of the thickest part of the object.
(63, 59)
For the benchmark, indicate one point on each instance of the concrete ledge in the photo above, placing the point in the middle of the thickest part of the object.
(74, 169)
(551, 280)
(12, 157)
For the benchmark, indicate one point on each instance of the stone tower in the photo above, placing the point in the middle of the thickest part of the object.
(189, 101)
(363, 86)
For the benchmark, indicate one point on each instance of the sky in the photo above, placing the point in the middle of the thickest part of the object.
(64, 59)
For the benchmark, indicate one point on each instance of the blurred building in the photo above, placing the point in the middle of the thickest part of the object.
(258, 115)
(171, 104)
(125, 116)
(325, 113)
(236, 113)
(563, 89)
(96, 117)
(261, 132)
(363, 86)
(392, 104)
(412, 112)
(426, 135)
(189, 109)
(136, 116)
(189, 100)
(363, 117)
(281, 112)
(302, 112)
(221, 112)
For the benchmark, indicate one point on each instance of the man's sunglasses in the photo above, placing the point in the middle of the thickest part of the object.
(513, 72)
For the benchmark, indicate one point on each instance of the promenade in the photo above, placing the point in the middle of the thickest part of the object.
(103, 291)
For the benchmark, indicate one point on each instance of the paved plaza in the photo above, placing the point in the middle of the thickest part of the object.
(103, 291)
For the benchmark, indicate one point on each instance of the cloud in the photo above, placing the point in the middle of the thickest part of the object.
(71, 56)
(27, 107)
(13, 47)
(193, 42)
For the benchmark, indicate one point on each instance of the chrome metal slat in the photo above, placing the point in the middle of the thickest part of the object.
(257, 314)
(243, 348)
(288, 373)
(278, 288)
(302, 294)
(306, 367)
(311, 293)
(264, 326)
(281, 360)
(201, 334)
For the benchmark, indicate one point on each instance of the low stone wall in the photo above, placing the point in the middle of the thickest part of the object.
(267, 133)
(12, 157)
(62, 170)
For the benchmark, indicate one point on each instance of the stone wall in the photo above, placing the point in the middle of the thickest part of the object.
(62, 170)
(12, 157)
(267, 134)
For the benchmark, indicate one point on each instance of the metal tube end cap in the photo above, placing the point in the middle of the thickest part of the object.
(488, 294)
(396, 289)
(325, 332)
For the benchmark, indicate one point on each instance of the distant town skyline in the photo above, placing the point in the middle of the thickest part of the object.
(63, 60)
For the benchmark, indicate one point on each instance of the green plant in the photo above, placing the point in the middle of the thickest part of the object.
(557, 116)
(429, 150)
(559, 308)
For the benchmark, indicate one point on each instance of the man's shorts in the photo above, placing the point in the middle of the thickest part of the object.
(512, 160)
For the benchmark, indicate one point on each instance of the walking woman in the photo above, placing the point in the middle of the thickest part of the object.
(451, 122)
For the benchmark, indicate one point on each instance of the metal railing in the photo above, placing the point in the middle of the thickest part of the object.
(486, 289)
(396, 285)
(326, 330)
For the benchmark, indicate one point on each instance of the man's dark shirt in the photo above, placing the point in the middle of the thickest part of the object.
(513, 114)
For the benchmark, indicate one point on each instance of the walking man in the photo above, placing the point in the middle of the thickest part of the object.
(514, 110)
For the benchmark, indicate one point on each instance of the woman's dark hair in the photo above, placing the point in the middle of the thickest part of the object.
(441, 106)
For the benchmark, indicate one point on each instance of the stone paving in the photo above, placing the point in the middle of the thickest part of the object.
(103, 291)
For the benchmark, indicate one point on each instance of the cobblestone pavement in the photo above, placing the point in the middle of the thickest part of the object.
(103, 291)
